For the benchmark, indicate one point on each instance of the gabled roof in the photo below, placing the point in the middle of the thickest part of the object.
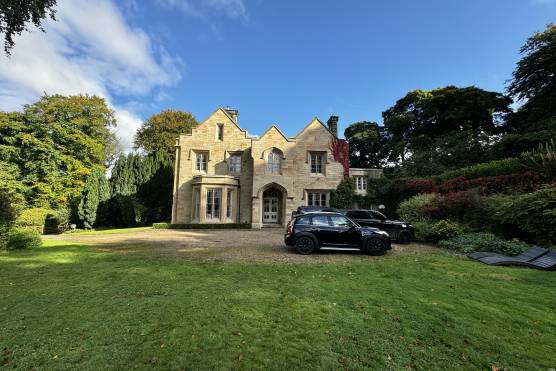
(310, 123)
(227, 115)
(277, 129)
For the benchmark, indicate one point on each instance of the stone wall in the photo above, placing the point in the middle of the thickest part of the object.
(204, 138)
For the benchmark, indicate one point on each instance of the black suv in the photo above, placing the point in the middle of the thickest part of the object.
(311, 231)
(398, 230)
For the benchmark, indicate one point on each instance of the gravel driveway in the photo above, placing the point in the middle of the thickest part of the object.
(222, 245)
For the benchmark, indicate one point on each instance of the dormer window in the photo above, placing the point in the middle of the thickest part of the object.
(220, 132)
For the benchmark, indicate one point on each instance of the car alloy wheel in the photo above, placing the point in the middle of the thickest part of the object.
(304, 245)
(375, 246)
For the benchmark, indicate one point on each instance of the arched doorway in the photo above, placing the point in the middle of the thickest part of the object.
(272, 206)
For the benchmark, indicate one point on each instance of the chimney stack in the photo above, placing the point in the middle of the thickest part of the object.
(333, 125)
(232, 112)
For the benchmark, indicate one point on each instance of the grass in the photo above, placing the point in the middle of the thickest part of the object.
(68, 307)
(107, 231)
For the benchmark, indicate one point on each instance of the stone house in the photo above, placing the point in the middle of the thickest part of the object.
(222, 175)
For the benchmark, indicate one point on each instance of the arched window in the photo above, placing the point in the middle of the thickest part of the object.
(273, 162)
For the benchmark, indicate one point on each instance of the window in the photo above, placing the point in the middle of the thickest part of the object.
(229, 203)
(234, 164)
(213, 203)
(196, 203)
(361, 183)
(303, 220)
(317, 162)
(340, 221)
(220, 131)
(320, 220)
(377, 215)
(358, 214)
(201, 161)
(316, 199)
(273, 162)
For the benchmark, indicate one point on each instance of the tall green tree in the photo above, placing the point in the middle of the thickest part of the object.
(366, 144)
(160, 131)
(97, 190)
(16, 15)
(422, 127)
(48, 149)
(534, 84)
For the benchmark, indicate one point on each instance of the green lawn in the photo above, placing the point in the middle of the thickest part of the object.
(69, 307)
(107, 231)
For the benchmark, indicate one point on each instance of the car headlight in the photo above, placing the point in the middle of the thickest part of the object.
(404, 225)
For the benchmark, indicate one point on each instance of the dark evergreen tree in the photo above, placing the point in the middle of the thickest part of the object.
(97, 190)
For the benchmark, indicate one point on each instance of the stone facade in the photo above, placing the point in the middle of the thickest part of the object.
(224, 176)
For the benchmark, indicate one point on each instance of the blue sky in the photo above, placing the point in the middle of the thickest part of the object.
(280, 62)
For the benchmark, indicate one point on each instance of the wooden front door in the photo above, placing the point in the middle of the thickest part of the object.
(270, 210)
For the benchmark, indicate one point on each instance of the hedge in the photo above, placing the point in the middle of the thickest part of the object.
(493, 168)
(202, 226)
(511, 183)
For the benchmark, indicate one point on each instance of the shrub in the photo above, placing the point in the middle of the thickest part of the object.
(487, 169)
(445, 229)
(343, 196)
(57, 222)
(532, 214)
(423, 231)
(543, 159)
(33, 218)
(464, 206)
(413, 210)
(23, 239)
(471, 242)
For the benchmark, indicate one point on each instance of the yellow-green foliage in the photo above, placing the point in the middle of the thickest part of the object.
(413, 209)
(34, 217)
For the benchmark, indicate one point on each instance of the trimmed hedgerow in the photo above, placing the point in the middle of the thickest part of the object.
(512, 183)
(202, 226)
(471, 242)
(487, 169)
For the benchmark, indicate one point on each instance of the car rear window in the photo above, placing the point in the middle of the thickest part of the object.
(304, 220)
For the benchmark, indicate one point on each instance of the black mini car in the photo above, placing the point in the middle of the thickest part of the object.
(398, 230)
(311, 231)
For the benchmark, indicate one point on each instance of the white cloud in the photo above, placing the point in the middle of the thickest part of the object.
(89, 49)
(234, 9)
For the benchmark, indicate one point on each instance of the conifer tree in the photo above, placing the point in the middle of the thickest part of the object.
(97, 190)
